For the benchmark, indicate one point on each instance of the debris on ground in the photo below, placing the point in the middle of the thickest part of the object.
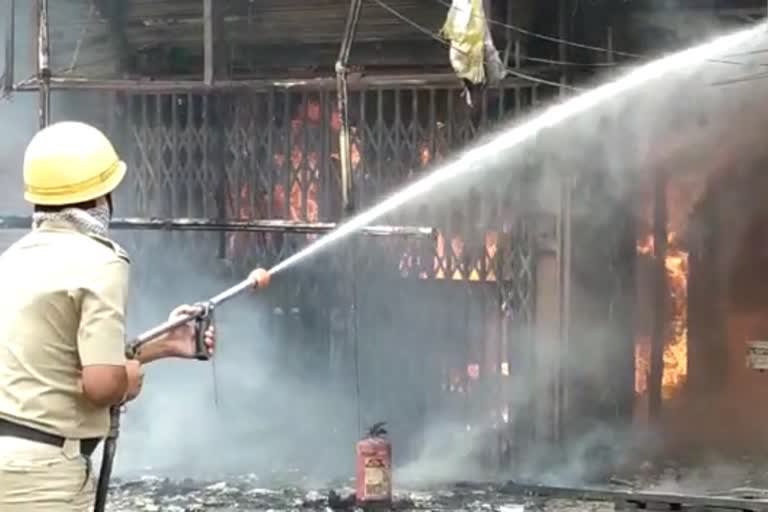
(246, 494)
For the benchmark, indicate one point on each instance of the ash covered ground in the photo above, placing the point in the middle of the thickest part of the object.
(295, 493)
(248, 493)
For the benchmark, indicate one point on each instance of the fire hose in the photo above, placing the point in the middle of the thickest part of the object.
(259, 278)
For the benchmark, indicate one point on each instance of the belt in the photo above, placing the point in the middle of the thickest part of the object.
(10, 429)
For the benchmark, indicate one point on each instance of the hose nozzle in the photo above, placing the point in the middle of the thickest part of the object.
(259, 278)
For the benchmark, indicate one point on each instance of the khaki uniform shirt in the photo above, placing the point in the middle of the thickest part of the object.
(62, 306)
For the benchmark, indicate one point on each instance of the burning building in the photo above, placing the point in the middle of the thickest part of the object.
(581, 289)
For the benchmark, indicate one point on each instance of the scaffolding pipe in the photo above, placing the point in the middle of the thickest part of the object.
(43, 64)
(566, 250)
(256, 226)
(6, 87)
(357, 82)
(212, 34)
(342, 91)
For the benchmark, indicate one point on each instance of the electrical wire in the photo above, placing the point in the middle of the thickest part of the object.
(428, 32)
(750, 52)
(742, 79)
(570, 63)
(552, 39)
(583, 46)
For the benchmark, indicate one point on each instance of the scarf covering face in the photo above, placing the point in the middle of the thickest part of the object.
(94, 221)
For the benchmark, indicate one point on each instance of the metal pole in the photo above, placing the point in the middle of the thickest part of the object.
(347, 185)
(256, 226)
(660, 296)
(209, 33)
(565, 253)
(43, 64)
(413, 81)
(6, 87)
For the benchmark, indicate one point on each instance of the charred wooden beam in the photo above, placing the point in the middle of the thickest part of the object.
(255, 226)
(413, 81)
(6, 86)
(342, 91)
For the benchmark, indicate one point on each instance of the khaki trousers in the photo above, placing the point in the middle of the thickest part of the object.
(36, 477)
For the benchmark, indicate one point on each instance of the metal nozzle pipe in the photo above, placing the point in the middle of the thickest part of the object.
(257, 279)
(260, 278)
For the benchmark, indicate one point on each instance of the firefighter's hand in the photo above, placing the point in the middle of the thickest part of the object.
(135, 379)
(181, 341)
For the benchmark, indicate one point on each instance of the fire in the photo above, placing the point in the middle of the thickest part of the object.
(676, 338)
(301, 191)
(449, 264)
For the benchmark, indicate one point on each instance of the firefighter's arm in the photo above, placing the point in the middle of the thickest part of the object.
(101, 335)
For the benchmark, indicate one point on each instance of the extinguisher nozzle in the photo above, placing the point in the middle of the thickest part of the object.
(378, 430)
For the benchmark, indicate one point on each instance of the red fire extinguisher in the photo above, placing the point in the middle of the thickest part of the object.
(374, 468)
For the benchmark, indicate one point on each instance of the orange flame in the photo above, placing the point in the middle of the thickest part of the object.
(451, 261)
(676, 339)
(301, 194)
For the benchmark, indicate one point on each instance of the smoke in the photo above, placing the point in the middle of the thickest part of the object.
(19, 113)
(260, 407)
(274, 415)
(694, 129)
(286, 376)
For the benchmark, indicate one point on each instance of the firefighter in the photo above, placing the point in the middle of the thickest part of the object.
(62, 325)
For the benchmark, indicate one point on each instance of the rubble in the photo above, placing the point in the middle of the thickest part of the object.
(242, 494)
(292, 491)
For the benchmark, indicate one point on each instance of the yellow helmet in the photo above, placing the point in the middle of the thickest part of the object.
(68, 163)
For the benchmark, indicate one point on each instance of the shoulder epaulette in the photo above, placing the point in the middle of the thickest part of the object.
(114, 246)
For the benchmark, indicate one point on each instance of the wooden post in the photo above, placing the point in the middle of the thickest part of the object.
(661, 292)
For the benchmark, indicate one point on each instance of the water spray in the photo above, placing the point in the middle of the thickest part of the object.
(472, 161)
(476, 159)
(256, 280)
